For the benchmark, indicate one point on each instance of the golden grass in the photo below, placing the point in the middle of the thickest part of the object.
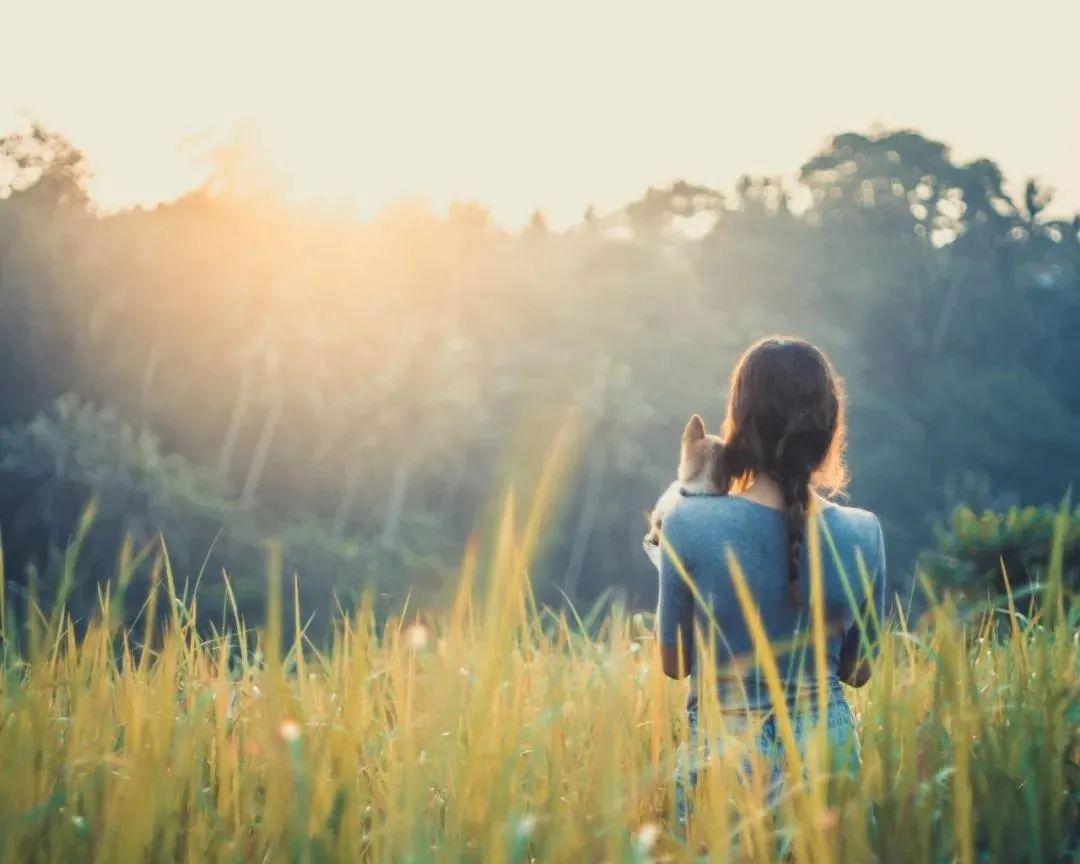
(501, 732)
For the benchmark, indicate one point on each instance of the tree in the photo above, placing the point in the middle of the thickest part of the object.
(367, 387)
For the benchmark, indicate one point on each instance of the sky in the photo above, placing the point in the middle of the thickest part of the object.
(547, 105)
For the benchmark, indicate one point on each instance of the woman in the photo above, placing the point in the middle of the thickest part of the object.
(783, 441)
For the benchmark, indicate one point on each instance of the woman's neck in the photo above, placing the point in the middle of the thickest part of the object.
(764, 489)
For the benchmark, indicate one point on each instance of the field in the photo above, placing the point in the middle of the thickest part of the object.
(501, 731)
(348, 347)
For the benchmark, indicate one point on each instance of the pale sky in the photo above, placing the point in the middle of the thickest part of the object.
(549, 104)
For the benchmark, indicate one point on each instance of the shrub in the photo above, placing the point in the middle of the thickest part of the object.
(974, 547)
(75, 453)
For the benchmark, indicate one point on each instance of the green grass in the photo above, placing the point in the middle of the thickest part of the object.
(502, 732)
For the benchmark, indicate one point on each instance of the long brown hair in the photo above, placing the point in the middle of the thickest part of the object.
(785, 420)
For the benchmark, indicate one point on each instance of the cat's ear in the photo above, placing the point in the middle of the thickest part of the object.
(695, 429)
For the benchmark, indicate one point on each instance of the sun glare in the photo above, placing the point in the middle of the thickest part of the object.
(556, 106)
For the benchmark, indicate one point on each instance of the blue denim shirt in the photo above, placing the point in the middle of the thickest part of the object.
(701, 528)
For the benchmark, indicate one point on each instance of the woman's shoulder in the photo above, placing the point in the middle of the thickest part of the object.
(700, 526)
(853, 517)
(718, 514)
(853, 526)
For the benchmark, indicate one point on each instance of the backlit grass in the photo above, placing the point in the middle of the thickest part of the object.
(501, 731)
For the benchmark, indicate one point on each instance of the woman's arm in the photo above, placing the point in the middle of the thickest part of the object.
(854, 664)
(865, 633)
(675, 609)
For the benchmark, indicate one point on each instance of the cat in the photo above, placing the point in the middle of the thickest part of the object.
(701, 472)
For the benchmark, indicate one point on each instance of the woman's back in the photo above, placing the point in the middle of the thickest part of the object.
(700, 531)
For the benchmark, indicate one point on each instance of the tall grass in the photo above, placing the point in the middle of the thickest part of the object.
(503, 732)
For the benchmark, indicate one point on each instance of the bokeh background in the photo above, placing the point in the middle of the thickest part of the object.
(336, 278)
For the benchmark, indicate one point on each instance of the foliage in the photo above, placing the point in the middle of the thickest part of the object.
(976, 549)
(368, 376)
(75, 454)
(498, 732)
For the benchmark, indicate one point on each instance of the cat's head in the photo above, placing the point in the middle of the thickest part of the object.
(701, 460)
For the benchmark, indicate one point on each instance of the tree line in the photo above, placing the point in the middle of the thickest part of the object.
(230, 365)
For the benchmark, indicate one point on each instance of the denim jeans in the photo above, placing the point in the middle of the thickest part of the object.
(842, 736)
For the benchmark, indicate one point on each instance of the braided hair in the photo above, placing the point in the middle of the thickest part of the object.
(785, 420)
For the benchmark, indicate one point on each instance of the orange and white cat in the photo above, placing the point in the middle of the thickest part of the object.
(701, 472)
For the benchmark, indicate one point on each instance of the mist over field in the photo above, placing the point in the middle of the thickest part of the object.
(230, 366)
